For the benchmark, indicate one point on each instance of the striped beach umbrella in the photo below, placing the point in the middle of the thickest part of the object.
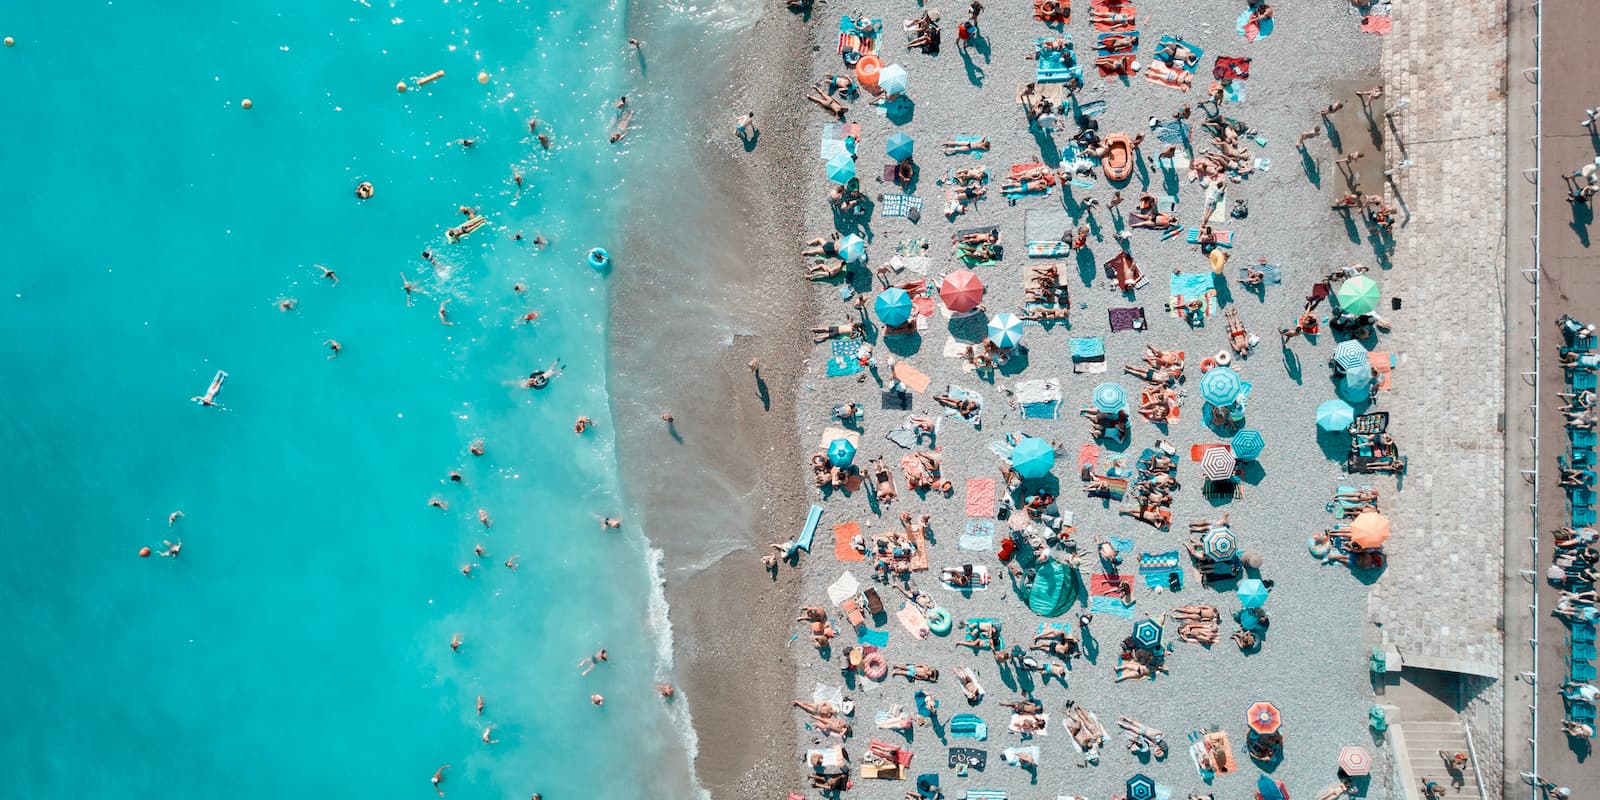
(961, 291)
(899, 146)
(1110, 398)
(1217, 463)
(853, 249)
(1147, 634)
(893, 306)
(892, 80)
(1252, 593)
(1355, 761)
(1005, 329)
(1264, 717)
(1359, 295)
(1220, 386)
(1033, 458)
(841, 168)
(1350, 356)
(1141, 787)
(841, 452)
(1369, 529)
(1219, 544)
(1248, 444)
(1335, 415)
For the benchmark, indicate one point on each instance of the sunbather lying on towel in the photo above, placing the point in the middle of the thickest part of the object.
(1056, 643)
(827, 248)
(831, 783)
(954, 147)
(1199, 632)
(965, 576)
(916, 672)
(1030, 185)
(826, 473)
(824, 270)
(967, 176)
(1157, 221)
(820, 710)
(1154, 516)
(851, 330)
(969, 685)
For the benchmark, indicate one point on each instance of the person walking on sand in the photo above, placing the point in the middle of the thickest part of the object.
(438, 778)
(746, 125)
(1370, 95)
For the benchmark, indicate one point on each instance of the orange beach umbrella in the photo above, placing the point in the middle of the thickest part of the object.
(1370, 529)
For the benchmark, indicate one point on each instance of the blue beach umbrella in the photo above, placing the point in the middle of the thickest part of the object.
(899, 146)
(1219, 544)
(1356, 386)
(1147, 634)
(1141, 787)
(853, 249)
(841, 452)
(1252, 593)
(892, 79)
(1220, 386)
(1270, 789)
(893, 306)
(1005, 329)
(1033, 458)
(1335, 415)
(841, 168)
(1248, 444)
(1110, 398)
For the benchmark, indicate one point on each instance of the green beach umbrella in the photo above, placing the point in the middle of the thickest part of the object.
(1252, 593)
(1220, 386)
(1335, 415)
(853, 249)
(1359, 295)
(1033, 458)
(1110, 398)
(1248, 444)
(841, 452)
(841, 168)
(1005, 329)
(899, 146)
(893, 306)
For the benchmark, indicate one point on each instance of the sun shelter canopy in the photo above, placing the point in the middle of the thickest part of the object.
(1248, 444)
(899, 146)
(1110, 398)
(1335, 415)
(961, 291)
(1054, 587)
(1369, 529)
(1358, 295)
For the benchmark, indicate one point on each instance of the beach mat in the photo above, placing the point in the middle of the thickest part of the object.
(1130, 318)
(1101, 585)
(911, 377)
(912, 619)
(1383, 367)
(979, 537)
(898, 205)
(844, 588)
(1110, 605)
(810, 530)
(843, 534)
(980, 497)
(1157, 569)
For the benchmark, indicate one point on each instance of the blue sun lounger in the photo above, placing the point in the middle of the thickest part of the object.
(1584, 380)
(1583, 517)
(985, 794)
(1581, 498)
(1584, 652)
(810, 531)
(1580, 671)
(1055, 66)
(1583, 634)
(1582, 438)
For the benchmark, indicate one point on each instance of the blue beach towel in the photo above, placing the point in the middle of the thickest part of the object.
(875, 638)
(844, 357)
(1172, 132)
(1224, 238)
(1048, 249)
(1055, 66)
(1088, 348)
(969, 140)
(979, 537)
(1045, 410)
(1110, 605)
(1157, 569)
(1192, 285)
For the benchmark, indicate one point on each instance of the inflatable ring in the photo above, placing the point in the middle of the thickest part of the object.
(599, 258)
(1049, 8)
(939, 621)
(1224, 358)
(874, 666)
(1319, 549)
(867, 71)
(1207, 364)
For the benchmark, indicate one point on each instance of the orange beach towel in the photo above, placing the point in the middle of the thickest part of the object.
(913, 378)
(843, 534)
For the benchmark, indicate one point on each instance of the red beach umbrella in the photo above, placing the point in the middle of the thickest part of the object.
(1354, 760)
(961, 291)
(1264, 718)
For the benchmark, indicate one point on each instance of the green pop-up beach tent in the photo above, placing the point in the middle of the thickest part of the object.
(1054, 587)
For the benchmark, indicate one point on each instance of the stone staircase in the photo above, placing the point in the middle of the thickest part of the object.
(1417, 746)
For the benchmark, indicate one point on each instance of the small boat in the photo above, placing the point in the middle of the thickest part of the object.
(1118, 160)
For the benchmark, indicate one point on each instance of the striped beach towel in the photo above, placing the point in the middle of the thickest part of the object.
(1158, 567)
(1224, 238)
(1048, 249)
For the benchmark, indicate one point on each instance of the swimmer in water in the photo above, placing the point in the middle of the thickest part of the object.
(528, 318)
(518, 287)
(538, 379)
(483, 517)
(511, 563)
(333, 344)
(581, 425)
(438, 778)
(328, 274)
(173, 548)
(455, 476)
(210, 397)
(487, 732)
(408, 286)
(466, 569)
(478, 550)
(597, 699)
(476, 447)
(592, 661)
(444, 313)
(480, 705)
(455, 642)
(539, 240)
(666, 416)
(544, 141)
(609, 522)
(287, 303)
(665, 690)
(623, 122)
(467, 142)
(439, 503)
(172, 519)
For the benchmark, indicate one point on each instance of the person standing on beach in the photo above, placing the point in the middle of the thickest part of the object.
(746, 125)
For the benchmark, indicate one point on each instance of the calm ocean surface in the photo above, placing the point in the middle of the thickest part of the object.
(300, 644)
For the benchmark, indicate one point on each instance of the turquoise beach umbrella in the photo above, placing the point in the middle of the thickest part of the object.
(1350, 356)
(1033, 458)
(1335, 415)
(893, 306)
(841, 452)
(1220, 386)
(1356, 386)
(1110, 398)
(892, 79)
(899, 146)
(1147, 634)
(1252, 593)
(853, 249)
(1248, 444)
(1359, 295)
(841, 168)
(1005, 329)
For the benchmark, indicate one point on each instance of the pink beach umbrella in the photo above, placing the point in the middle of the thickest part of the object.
(961, 291)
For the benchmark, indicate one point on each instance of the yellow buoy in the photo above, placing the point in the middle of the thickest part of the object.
(401, 87)
(483, 77)
(245, 103)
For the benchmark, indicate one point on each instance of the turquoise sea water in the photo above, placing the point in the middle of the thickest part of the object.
(299, 645)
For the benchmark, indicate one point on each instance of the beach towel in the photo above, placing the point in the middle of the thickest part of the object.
(1383, 367)
(1377, 24)
(919, 551)
(1191, 287)
(851, 39)
(979, 537)
(968, 726)
(872, 637)
(1055, 66)
(830, 757)
(1106, 585)
(1252, 31)
(1110, 605)
(1088, 348)
(980, 497)
(1172, 132)
(1158, 569)
(910, 377)
(1015, 726)
(967, 140)
(1224, 238)
(1116, 42)
(912, 620)
(844, 361)
(843, 589)
(1010, 754)
(843, 534)
(979, 571)
(834, 139)
(1088, 456)
(1048, 249)
(1052, 11)
(810, 530)
(1130, 318)
(1121, 20)
(985, 794)
(896, 205)
(1040, 399)
(1160, 73)
(1113, 488)
(968, 758)
(960, 393)
(1272, 273)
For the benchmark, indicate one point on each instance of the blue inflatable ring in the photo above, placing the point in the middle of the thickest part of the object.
(939, 621)
(599, 258)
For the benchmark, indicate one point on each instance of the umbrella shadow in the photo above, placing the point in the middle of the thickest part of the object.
(900, 110)
(1335, 445)
(1252, 473)
(1049, 153)
(972, 328)
(1016, 363)
(903, 345)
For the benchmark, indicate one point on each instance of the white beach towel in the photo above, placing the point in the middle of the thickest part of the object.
(844, 588)
(1016, 724)
(1038, 391)
(823, 693)
(830, 758)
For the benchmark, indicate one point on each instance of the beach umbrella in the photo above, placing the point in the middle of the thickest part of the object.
(893, 306)
(1033, 458)
(892, 79)
(1269, 789)
(1370, 529)
(1263, 717)
(899, 146)
(1351, 356)
(1220, 386)
(1005, 329)
(1359, 295)
(1356, 385)
(1141, 787)
(1248, 444)
(1219, 544)
(961, 290)
(1335, 415)
(1355, 761)
(841, 168)
(1252, 593)
(1110, 398)
(853, 249)
(841, 452)
(1217, 463)
(1147, 634)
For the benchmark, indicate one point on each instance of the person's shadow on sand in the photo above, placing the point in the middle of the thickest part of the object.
(975, 73)
(762, 393)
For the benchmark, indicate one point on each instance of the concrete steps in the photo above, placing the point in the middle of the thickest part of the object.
(1417, 746)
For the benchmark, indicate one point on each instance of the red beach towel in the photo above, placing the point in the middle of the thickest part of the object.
(843, 534)
(980, 497)
(1378, 25)
(1231, 68)
(1109, 585)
